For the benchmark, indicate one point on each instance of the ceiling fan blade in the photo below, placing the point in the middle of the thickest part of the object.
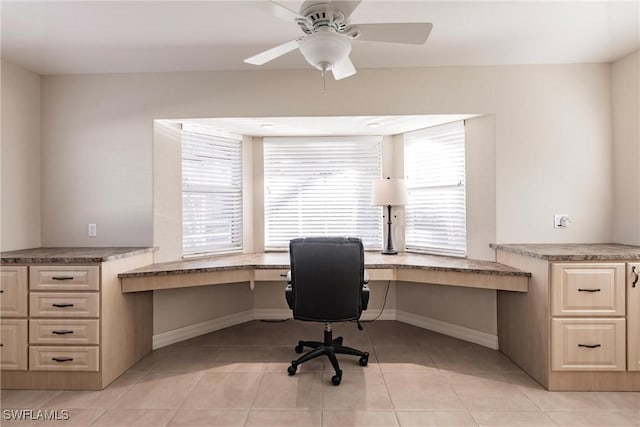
(273, 53)
(279, 11)
(343, 69)
(346, 7)
(407, 33)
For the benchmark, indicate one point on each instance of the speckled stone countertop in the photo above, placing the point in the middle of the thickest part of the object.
(575, 251)
(70, 255)
(280, 260)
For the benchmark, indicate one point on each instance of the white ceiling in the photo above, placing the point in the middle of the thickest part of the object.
(112, 36)
(53, 37)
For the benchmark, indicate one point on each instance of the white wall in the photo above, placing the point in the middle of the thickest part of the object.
(20, 152)
(625, 94)
(553, 138)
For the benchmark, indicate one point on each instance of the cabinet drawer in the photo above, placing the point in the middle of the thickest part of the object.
(63, 358)
(53, 331)
(58, 304)
(13, 351)
(588, 344)
(588, 289)
(13, 291)
(64, 278)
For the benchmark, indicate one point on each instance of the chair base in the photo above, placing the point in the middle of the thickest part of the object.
(330, 347)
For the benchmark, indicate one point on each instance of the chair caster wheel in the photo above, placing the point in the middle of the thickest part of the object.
(299, 348)
(292, 369)
(364, 360)
(336, 379)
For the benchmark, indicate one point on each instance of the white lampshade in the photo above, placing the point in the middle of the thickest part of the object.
(324, 49)
(389, 192)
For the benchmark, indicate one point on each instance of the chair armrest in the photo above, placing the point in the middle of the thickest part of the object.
(366, 277)
(288, 294)
(365, 296)
(289, 276)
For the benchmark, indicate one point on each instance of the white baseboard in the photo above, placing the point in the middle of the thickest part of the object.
(164, 339)
(280, 314)
(176, 335)
(445, 328)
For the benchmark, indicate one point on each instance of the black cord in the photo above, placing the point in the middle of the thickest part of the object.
(275, 320)
(384, 304)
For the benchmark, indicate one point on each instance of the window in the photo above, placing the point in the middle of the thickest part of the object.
(434, 167)
(211, 194)
(321, 187)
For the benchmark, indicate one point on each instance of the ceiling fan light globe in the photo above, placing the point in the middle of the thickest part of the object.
(324, 49)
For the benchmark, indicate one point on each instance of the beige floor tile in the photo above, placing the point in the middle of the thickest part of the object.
(413, 391)
(70, 418)
(281, 418)
(279, 359)
(183, 359)
(398, 359)
(281, 391)
(26, 399)
(471, 358)
(357, 391)
(209, 417)
(359, 418)
(97, 399)
(563, 400)
(435, 419)
(490, 393)
(159, 391)
(134, 417)
(384, 332)
(513, 418)
(231, 390)
(598, 418)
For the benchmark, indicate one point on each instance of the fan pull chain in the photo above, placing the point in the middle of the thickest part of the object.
(324, 83)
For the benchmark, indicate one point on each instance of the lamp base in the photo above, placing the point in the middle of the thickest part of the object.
(389, 252)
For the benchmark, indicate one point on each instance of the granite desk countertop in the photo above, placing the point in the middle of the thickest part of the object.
(280, 260)
(70, 255)
(574, 251)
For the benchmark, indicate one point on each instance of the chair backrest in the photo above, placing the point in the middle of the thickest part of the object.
(327, 275)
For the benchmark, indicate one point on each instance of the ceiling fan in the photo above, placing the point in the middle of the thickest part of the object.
(326, 42)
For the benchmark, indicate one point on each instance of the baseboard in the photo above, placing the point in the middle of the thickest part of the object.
(176, 335)
(281, 314)
(450, 329)
(164, 339)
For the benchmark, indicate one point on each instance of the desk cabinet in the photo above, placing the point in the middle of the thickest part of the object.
(69, 326)
(577, 327)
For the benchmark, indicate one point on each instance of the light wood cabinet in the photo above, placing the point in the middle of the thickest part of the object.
(13, 292)
(578, 326)
(633, 316)
(79, 331)
(13, 344)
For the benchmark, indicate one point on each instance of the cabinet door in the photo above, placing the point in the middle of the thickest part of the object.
(13, 344)
(13, 291)
(633, 316)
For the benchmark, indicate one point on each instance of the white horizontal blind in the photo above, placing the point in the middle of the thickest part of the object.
(321, 187)
(211, 194)
(434, 165)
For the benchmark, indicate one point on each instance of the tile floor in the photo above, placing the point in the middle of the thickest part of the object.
(237, 377)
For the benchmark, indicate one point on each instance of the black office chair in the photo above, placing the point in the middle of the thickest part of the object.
(327, 283)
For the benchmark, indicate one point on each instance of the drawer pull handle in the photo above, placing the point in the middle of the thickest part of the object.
(634, 272)
(62, 305)
(62, 277)
(61, 332)
(1, 345)
(589, 345)
(1, 291)
(62, 359)
(590, 290)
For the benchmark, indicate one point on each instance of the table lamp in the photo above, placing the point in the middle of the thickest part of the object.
(389, 192)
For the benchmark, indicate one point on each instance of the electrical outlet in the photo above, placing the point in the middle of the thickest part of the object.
(92, 230)
(561, 220)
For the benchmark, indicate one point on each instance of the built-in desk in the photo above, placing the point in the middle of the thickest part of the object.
(249, 268)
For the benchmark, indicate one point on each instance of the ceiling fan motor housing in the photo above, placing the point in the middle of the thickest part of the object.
(323, 49)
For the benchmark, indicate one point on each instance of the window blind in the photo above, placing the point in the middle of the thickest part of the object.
(434, 165)
(211, 194)
(321, 187)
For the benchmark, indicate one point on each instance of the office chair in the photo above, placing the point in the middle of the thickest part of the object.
(327, 283)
